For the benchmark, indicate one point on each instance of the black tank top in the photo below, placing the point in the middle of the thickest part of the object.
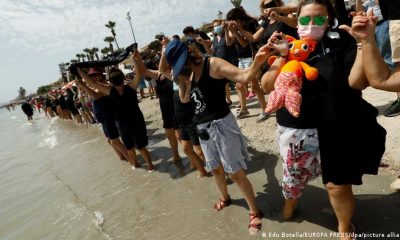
(208, 95)
(126, 106)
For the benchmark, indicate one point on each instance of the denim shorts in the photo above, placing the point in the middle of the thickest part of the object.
(245, 62)
(226, 145)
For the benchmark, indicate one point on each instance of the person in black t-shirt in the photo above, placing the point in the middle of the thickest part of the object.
(202, 80)
(27, 109)
(240, 21)
(220, 49)
(128, 116)
(103, 111)
(350, 140)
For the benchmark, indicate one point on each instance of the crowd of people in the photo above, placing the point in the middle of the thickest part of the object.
(335, 134)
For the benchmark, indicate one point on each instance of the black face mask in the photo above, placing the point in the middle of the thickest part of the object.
(117, 80)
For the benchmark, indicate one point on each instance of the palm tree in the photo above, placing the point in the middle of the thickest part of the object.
(21, 93)
(91, 53)
(236, 3)
(95, 50)
(110, 39)
(78, 55)
(83, 56)
(105, 51)
(111, 26)
(63, 71)
(87, 51)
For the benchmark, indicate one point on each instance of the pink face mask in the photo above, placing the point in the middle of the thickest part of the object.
(310, 32)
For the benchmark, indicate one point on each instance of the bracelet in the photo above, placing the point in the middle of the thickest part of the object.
(263, 24)
(359, 46)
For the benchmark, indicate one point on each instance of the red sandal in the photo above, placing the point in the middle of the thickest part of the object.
(222, 203)
(255, 226)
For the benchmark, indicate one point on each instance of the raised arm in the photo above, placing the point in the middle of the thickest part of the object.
(377, 72)
(256, 36)
(281, 10)
(234, 29)
(220, 68)
(102, 88)
(139, 69)
(163, 68)
(88, 90)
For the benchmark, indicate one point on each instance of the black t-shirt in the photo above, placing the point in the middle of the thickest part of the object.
(62, 102)
(103, 108)
(184, 112)
(126, 106)
(250, 50)
(208, 95)
(165, 91)
(221, 50)
(328, 95)
(390, 9)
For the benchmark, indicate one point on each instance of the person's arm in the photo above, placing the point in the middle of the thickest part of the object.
(241, 40)
(206, 44)
(139, 67)
(229, 38)
(88, 90)
(253, 37)
(376, 70)
(184, 90)
(163, 67)
(220, 68)
(281, 10)
(102, 88)
(290, 21)
(357, 78)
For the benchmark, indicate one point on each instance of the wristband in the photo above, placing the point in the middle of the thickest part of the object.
(359, 46)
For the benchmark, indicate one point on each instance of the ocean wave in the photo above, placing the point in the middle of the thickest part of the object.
(98, 221)
(50, 139)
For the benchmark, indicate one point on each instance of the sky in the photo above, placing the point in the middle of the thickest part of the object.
(37, 35)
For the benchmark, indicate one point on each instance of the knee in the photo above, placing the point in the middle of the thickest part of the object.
(188, 150)
(237, 176)
(337, 191)
(218, 171)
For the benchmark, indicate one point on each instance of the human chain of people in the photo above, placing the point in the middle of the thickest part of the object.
(311, 60)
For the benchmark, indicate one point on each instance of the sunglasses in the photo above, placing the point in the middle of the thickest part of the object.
(318, 20)
(269, 5)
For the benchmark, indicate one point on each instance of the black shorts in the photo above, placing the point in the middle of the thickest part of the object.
(133, 134)
(189, 133)
(110, 128)
(168, 115)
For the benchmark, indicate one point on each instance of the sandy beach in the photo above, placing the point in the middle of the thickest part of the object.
(71, 185)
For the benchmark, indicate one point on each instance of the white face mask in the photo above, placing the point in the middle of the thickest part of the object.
(311, 32)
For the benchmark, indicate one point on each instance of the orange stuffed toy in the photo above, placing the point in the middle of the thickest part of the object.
(290, 79)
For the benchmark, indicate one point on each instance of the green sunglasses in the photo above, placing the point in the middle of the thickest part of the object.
(318, 20)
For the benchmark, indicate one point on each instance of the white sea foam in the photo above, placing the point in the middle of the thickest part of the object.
(99, 219)
(50, 139)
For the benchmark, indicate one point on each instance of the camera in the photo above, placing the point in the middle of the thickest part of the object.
(203, 134)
